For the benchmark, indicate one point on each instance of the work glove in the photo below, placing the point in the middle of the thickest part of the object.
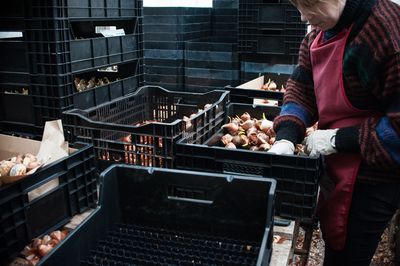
(282, 146)
(320, 142)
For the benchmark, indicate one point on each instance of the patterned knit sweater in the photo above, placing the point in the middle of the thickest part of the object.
(371, 75)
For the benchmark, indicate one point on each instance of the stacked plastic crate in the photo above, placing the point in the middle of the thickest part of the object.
(270, 33)
(15, 106)
(79, 54)
(212, 62)
(165, 31)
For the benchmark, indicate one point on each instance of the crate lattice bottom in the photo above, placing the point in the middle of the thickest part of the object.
(131, 244)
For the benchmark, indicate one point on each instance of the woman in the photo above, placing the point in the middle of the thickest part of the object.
(348, 79)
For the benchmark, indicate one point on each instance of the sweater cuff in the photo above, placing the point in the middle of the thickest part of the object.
(289, 131)
(346, 139)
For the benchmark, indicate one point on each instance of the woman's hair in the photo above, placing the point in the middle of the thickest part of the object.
(305, 3)
(313, 3)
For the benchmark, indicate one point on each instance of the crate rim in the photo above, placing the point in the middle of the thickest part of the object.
(128, 128)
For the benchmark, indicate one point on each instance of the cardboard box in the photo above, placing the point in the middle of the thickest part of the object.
(257, 83)
(11, 146)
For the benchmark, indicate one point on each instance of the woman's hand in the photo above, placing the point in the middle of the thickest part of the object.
(320, 142)
(282, 146)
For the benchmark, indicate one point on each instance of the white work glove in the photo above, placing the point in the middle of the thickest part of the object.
(320, 142)
(282, 146)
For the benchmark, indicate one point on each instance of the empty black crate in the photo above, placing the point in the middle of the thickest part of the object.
(23, 219)
(171, 217)
(141, 128)
(297, 176)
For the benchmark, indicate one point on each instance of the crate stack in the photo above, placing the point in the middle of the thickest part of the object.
(64, 51)
(270, 33)
(225, 18)
(213, 62)
(166, 29)
(14, 69)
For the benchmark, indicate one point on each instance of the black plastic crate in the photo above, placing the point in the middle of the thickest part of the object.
(218, 83)
(247, 96)
(94, 9)
(141, 128)
(270, 28)
(20, 79)
(211, 62)
(164, 70)
(162, 45)
(251, 92)
(127, 79)
(274, 43)
(78, 48)
(176, 28)
(174, 37)
(100, 52)
(171, 217)
(222, 4)
(297, 176)
(23, 219)
(232, 65)
(21, 130)
(29, 110)
(163, 54)
(269, 13)
(104, 9)
(169, 79)
(175, 19)
(13, 53)
(53, 94)
(279, 78)
(12, 16)
(212, 49)
(170, 86)
(175, 11)
(14, 66)
(200, 88)
(15, 107)
(155, 62)
(212, 74)
(251, 69)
